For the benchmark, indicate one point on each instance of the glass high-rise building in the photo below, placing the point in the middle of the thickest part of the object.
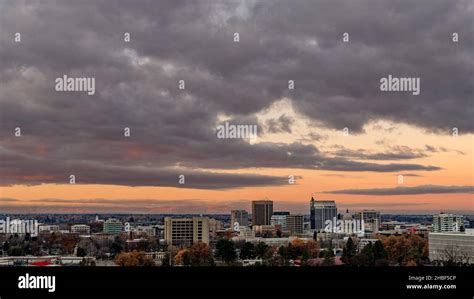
(324, 210)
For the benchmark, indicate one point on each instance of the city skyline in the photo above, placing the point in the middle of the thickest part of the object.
(173, 73)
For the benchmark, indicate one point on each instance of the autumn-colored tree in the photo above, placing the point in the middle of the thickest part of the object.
(200, 255)
(183, 258)
(269, 253)
(68, 243)
(133, 259)
(311, 249)
(406, 249)
(297, 242)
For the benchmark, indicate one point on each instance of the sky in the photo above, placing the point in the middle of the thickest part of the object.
(336, 134)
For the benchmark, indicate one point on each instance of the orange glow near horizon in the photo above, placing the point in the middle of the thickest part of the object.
(456, 161)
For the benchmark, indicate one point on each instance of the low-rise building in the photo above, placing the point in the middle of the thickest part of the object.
(215, 226)
(246, 232)
(147, 230)
(113, 226)
(82, 229)
(455, 246)
(48, 228)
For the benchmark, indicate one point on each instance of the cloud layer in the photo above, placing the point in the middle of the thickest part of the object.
(423, 189)
(173, 131)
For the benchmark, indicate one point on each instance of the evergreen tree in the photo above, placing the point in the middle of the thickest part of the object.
(261, 249)
(225, 250)
(380, 254)
(328, 257)
(247, 251)
(349, 251)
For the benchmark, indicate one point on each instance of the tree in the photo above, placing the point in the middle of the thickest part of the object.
(380, 254)
(359, 260)
(296, 248)
(133, 259)
(269, 253)
(200, 255)
(453, 255)
(328, 257)
(247, 251)
(225, 250)
(6, 246)
(406, 249)
(283, 252)
(261, 249)
(278, 233)
(373, 254)
(165, 261)
(87, 262)
(68, 242)
(116, 247)
(349, 251)
(81, 252)
(368, 251)
(311, 249)
(183, 258)
(16, 251)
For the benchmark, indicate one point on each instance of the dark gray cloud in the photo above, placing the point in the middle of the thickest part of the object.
(312, 137)
(36, 170)
(423, 189)
(336, 84)
(280, 124)
(393, 154)
(397, 152)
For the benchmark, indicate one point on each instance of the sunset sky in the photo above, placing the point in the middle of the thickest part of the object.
(173, 131)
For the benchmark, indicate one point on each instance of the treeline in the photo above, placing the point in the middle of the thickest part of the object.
(405, 250)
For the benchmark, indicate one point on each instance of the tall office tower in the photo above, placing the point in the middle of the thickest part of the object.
(324, 210)
(312, 217)
(279, 218)
(371, 219)
(239, 216)
(262, 211)
(186, 231)
(294, 224)
(448, 223)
